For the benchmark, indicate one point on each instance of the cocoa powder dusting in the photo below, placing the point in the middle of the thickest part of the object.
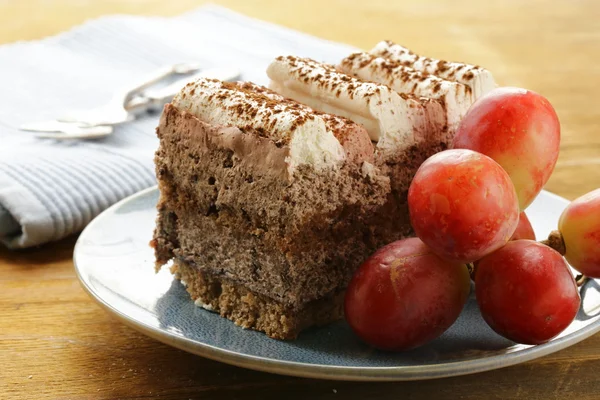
(302, 112)
(327, 76)
(468, 75)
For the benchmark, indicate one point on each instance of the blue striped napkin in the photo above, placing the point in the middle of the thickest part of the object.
(50, 189)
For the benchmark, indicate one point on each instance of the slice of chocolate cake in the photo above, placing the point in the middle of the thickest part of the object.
(409, 112)
(266, 206)
(405, 129)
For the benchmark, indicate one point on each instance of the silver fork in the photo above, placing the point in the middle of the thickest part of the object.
(95, 123)
(139, 104)
(154, 100)
(114, 111)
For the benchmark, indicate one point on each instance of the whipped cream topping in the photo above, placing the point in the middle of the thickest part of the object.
(456, 98)
(478, 79)
(395, 121)
(352, 136)
(284, 122)
(332, 121)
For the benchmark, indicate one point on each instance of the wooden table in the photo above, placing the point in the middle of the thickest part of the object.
(56, 343)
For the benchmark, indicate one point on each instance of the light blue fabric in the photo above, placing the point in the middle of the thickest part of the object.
(50, 189)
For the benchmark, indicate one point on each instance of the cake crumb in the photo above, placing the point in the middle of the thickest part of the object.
(30, 376)
(334, 391)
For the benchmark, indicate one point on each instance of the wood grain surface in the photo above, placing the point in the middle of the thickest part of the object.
(55, 343)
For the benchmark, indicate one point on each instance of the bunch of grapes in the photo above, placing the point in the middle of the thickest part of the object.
(466, 207)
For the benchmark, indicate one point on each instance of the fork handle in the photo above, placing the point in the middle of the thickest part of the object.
(122, 96)
(156, 99)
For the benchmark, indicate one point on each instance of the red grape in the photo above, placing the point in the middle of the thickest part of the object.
(520, 130)
(524, 229)
(463, 205)
(526, 292)
(404, 296)
(579, 225)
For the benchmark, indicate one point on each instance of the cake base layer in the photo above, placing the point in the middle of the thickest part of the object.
(251, 310)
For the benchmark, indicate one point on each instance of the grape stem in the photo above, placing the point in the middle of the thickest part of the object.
(471, 268)
(556, 241)
(581, 280)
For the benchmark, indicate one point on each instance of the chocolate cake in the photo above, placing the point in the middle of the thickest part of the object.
(268, 205)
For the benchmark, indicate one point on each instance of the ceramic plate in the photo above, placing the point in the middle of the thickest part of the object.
(115, 265)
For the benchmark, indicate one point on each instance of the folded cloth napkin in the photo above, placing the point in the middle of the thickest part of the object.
(50, 189)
